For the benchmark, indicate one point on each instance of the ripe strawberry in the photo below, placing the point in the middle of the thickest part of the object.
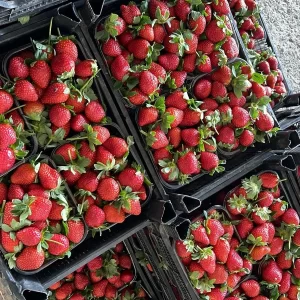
(125, 261)
(246, 138)
(247, 267)
(206, 47)
(119, 67)
(159, 10)
(117, 146)
(169, 61)
(214, 33)
(103, 133)
(189, 62)
(113, 214)
(86, 152)
(188, 163)
(137, 97)
(99, 288)
(269, 180)
(220, 274)
(3, 192)
(234, 261)
(230, 48)
(30, 259)
(221, 250)
(56, 211)
(7, 136)
(58, 244)
(132, 178)
(182, 10)
(68, 47)
(226, 135)
(8, 243)
(181, 249)
(63, 64)
(202, 88)
(18, 176)
(15, 191)
(285, 283)
(196, 269)
(190, 137)
(40, 73)
(49, 177)
(139, 48)
(88, 181)
(17, 68)
(221, 7)
(251, 288)
(6, 101)
(75, 230)
(95, 264)
(59, 115)
(81, 281)
(240, 117)
(33, 110)
(78, 123)
(158, 71)
(276, 246)
(290, 217)
(284, 260)
(235, 101)
(176, 79)
(56, 92)
(258, 90)
(67, 152)
(111, 47)
(94, 111)
(174, 136)
(293, 292)
(204, 64)
(16, 118)
(25, 91)
(86, 68)
(214, 230)
(258, 33)
(159, 33)
(110, 292)
(55, 286)
(177, 99)
(130, 12)
(264, 67)
(218, 90)
(157, 139)
(273, 63)
(264, 122)
(147, 33)
(278, 208)
(148, 82)
(271, 272)
(8, 216)
(177, 114)
(147, 115)
(199, 233)
(209, 161)
(29, 236)
(196, 23)
(108, 189)
(207, 260)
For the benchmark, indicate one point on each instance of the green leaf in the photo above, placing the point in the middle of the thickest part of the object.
(23, 20)
(259, 78)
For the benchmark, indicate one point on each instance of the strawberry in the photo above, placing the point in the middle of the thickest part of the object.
(271, 272)
(103, 133)
(95, 278)
(159, 33)
(95, 264)
(190, 137)
(273, 63)
(276, 246)
(7, 136)
(108, 189)
(113, 214)
(215, 33)
(290, 217)
(258, 90)
(247, 267)
(157, 139)
(88, 181)
(77, 296)
(56, 92)
(68, 47)
(111, 47)
(56, 211)
(18, 176)
(130, 12)
(158, 71)
(218, 90)
(197, 22)
(221, 250)
(269, 180)
(49, 177)
(117, 146)
(137, 97)
(17, 68)
(176, 79)
(204, 64)
(169, 61)
(285, 283)
(199, 233)
(3, 192)
(139, 48)
(220, 274)
(30, 259)
(110, 292)
(63, 64)
(119, 67)
(59, 115)
(94, 111)
(293, 292)
(8, 243)
(6, 101)
(207, 259)
(147, 33)
(188, 163)
(16, 118)
(221, 7)
(226, 136)
(284, 260)
(29, 236)
(75, 230)
(174, 136)
(246, 138)
(147, 115)
(8, 215)
(78, 123)
(278, 208)
(182, 10)
(235, 101)
(251, 288)
(209, 161)
(25, 91)
(230, 48)
(99, 288)
(189, 62)
(240, 117)
(202, 88)
(58, 244)
(148, 82)
(196, 269)
(159, 10)
(86, 152)
(177, 99)
(214, 230)
(55, 286)
(33, 110)
(81, 281)
(265, 199)
(234, 261)
(296, 238)
(264, 67)
(132, 178)
(67, 151)
(86, 68)
(40, 73)
(206, 47)
(181, 249)
(15, 191)
(177, 115)
(258, 33)
(125, 261)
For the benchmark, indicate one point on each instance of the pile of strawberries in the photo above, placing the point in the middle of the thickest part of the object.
(271, 235)
(229, 113)
(103, 276)
(103, 181)
(14, 143)
(37, 221)
(211, 257)
(246, 15)
(54, 86)
(157, 44)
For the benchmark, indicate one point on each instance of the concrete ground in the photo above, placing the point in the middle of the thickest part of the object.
(282, 19)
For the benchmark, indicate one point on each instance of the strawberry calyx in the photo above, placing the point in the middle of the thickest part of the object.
(221, 23)
(177, 37)
(205, 285)
(152, 55)
(237, 202)
(125, 197)
(213, 120)
(11, 257)
(21, 208)
(263, 212)
(169, 167)
(252, 186)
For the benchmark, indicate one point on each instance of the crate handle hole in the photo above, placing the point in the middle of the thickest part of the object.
(289, 163)
(32, 295)
(182, 229)
(169, 213)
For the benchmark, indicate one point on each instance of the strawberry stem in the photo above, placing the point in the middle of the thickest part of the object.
(50, 29)
(88, 81)
(14, 109)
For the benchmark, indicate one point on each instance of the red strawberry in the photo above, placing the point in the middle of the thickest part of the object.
(75, 230)
(269, 180)
(251, 288)
(139, 48)
(78, 123)
(264, 67)
(117, 146)
(30, 259)
(119, 67)
(25, 91)
(276, 246)
(285, 283)
(204, 64)
(205, 46)
(99, 288)
(62, 64)
(111, 47)
(17, 68)
(246, 138)
(258, 90)
(86, 68)
(214, 33)
(3, 192)
(67, 152)
(49, 177)
(176, 79)
(202, 88)
(207, 260)
(86, 152)
(188, 163)
(221, 7)
(159, 33)
(220, 274)
(88, 181)
(284, 260)
(94, 111)
(57, 92)
(15, 191)
(271, 272)
(214, 230)
(235, 101)
(230, 48)
(196, 269)
(6, 101)
(7, 158)
(132, 178)
(148, 82)
(182, 10)
(130, 12)
(278, 208)
(189, 62)
(29, 236)
(147, 115)
(234, 261)
(273, 63)
(125, 261)
(169, 61)
(293, 292)
(177, 99)
(174, 136)
(157, 139)
(58, 244)
(40, 73)
(8, 243)
(113, 214)
(147, 33)
(59, 115)
(226, 135)
(240, 117)
(209, 161)
(68, 47)
(108, 189)
(290, 217)
(218, 90)
(159, 10)
(181, 249)
(158, 71)
(221, 250)
(258, 33)
(199, 233)
(197, 23)
(7, 136)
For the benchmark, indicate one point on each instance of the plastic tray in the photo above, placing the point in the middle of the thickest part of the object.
(116, 131)
(73, 205)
